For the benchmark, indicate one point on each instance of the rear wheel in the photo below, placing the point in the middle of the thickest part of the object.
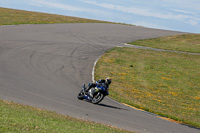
(97, 98)
(81, 95)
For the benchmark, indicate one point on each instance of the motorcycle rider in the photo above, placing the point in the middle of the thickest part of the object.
(102, 82)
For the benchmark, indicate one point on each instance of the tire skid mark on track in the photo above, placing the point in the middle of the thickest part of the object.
(40, 58)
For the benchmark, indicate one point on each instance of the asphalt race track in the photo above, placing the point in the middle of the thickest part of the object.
(45, 66)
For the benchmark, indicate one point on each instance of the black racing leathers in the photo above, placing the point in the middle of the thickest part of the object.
(100, 82)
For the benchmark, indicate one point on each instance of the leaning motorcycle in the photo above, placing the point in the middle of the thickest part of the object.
(94, 95)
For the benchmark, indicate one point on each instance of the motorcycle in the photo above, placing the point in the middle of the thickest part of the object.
(94, 95)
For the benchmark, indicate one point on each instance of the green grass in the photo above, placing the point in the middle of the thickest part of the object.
(164, 83)
(186, 43)
(16, 118)
(15, 17)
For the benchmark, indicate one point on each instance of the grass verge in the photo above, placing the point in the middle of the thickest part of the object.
(18, 118)
(164, 83)
(185, 42)
(15, 17)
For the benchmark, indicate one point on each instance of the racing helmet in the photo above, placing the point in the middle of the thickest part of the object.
(108, 80)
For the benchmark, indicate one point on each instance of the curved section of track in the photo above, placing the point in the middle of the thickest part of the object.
(45, 65)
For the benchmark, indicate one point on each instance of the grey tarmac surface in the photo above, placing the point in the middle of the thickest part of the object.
(45, 66)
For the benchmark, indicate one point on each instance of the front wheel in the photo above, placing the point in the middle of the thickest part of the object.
(97, 98)
(81, 95)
